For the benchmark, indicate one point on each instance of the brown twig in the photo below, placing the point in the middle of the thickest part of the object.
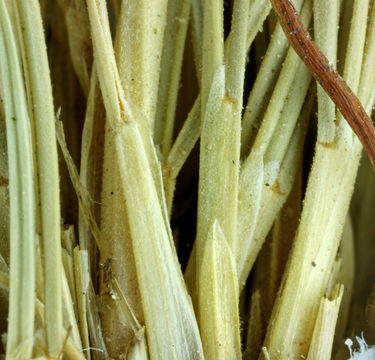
(319, 66)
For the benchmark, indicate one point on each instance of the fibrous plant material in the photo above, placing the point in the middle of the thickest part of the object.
(22, 197)
(41, 112)
(276, 146)
(322, 216)
(176, 334)
(349, 105)
(322, 339)
(188, 135)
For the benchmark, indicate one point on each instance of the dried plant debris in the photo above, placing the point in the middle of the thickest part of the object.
(175, 185)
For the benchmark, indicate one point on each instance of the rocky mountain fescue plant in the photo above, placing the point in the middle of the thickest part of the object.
(174, 183)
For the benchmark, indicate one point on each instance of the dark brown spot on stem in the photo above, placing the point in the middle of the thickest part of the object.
(4, 181)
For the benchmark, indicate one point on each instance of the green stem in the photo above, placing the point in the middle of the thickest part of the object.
(22, 198)
(43, 117)
(170, 71)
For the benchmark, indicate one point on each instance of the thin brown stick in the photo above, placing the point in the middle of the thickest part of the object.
(319, 66)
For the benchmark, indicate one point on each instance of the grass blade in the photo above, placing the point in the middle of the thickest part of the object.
(21, 197)
(37, 72)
